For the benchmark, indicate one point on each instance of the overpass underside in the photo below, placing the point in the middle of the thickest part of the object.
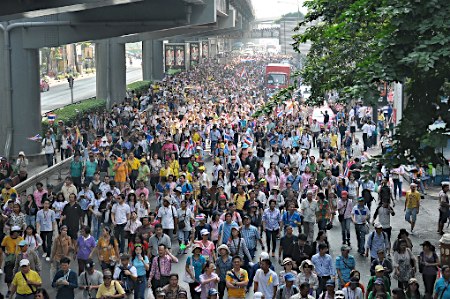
(110, 24)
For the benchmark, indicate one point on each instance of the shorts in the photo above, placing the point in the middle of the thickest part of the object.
(411, 212)
(443, 216)
(352, 129)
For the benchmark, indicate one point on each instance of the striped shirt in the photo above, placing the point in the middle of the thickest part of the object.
(223, 267)
(250, 235)
(271, 219)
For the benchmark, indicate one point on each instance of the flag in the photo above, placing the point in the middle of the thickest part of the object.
(37, 137)
(346, 172)
(51, 117)
(191, 145)
(290, 108)
(149, 138)
(243, 73)
(248, 140)
(227, 137)
(280, 113)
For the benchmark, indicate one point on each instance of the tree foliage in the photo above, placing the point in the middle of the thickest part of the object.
(357, 44)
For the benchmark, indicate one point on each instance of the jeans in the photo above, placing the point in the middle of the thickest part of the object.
(139, 287)
(183, 236)
(345, 230)
(271, 235)
(322, 223)
(397, 185)
(47, 240)
(49, 158)
(360, 237)
(119, 234)
(308, 230)
(96, 227)
(30, 220)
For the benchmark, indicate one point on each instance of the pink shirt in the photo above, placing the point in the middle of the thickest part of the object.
(140, 191)
(38, 197)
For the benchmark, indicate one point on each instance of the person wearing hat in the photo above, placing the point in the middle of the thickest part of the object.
(353, 290)
(412, 291)
(110, 288)
(25, 282)
(194, 267)
(377, 240)
(383, 213)
(30, 255)
(223, 265)
(345, 263)
(379, 275)
(159, 293)
(8, 191)
(126, 274)
(22, 166)
(167, 215)
(208, 247)
(360, 217)
(379, 288)
(90, 280)
(288, 288)
(213, 293)
(444, 206)
(329, 291)
(185, 222)
(412, 205)
(10, 245)
(383, 261)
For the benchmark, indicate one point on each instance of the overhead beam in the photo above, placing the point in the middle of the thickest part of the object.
(14, 9)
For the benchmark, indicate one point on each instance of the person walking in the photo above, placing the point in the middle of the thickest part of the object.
(412, 205)
(45, 226)
(271, 222)
(309, 208)
(428, 266)
(344, 207)
(65, 280)
(323, 264)
(361, 218)
(345, 263)
(376, 240)
(25, 282)
(90, 280)
(30, 255)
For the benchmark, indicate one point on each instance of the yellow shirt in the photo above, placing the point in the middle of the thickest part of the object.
(12, 245)
(114, 288)
(236, 293)
(133, 164)
(333, 140)
(196, 137)
(412, 199)
(239, 200)
(22, 287)
(175, 168)
(6, 194)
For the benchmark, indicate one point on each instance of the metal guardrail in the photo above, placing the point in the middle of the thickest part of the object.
(44, 176)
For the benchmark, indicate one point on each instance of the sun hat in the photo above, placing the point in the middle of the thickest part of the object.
(223, 246)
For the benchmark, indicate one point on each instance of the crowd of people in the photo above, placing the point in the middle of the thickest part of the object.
(187, 170)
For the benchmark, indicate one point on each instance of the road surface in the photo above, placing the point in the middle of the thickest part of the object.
(84, 88)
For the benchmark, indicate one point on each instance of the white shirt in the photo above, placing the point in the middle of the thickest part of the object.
(167, 214)
(120, 212)
(263, 282)
(366, 128)
(309, 210)
(353, 294)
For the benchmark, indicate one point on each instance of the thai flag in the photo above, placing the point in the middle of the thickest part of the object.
(51, 117)
(149, 138)
(191, 145)
(290, 108)
(248, 140)
(37, 137)
(227, 137)
(243, 73)
(280, 113)
(346, 172)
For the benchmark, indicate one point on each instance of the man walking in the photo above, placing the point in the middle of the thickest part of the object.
(360, 217)
(412, 205)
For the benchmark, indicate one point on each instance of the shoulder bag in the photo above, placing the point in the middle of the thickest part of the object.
(33, 291)
(188, 278)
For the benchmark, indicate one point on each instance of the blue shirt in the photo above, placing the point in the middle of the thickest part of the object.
(226, 231)
(324, 265)
(45, 219)
(345, 265)
(140, 266)
(198, 265)
(251, 236)
(289, 219)
(376, 242)
(439, 287)
(271, 219)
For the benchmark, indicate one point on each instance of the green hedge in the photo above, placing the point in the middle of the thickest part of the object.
(69, 114)
(139, 86)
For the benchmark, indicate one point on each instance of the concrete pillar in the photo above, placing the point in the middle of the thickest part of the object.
(3, 91)
(111, 71)
(152, 60)
(25, 96)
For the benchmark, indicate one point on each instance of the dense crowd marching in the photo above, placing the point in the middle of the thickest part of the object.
(142, 192)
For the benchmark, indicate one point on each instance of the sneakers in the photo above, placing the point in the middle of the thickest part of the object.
(47, 259)
(44, 255)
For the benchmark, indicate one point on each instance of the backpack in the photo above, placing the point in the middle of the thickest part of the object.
(373, 236)
(385, 193)
(127, 282)
(294, 290)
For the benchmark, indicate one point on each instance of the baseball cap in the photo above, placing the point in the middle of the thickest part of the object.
(345, 248)
(379, 281)
(23, 243)
(378, 225)
(289, 277)
(212, 292)
(264, 256)
(379, 268)
(330, 282)
(24, 262)
(257, 295)
(204, 232)
(89, 264)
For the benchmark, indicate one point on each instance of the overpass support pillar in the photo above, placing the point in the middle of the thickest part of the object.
(152, 60)
(21, 111)
(111, 71)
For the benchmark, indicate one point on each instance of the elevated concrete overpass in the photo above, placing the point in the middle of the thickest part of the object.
(27, 26)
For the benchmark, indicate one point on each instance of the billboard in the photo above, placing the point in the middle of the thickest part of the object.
(169, 56)
(205, 49)
(180, 58)
(194, 52)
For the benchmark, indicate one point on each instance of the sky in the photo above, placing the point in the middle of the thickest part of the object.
(276, 8)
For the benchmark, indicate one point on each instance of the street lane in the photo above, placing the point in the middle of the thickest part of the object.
(84, 88)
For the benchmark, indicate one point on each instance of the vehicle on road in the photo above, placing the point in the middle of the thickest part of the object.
(277, 76)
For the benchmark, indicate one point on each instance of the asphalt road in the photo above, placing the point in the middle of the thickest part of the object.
(425, 230)
(84, 88)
